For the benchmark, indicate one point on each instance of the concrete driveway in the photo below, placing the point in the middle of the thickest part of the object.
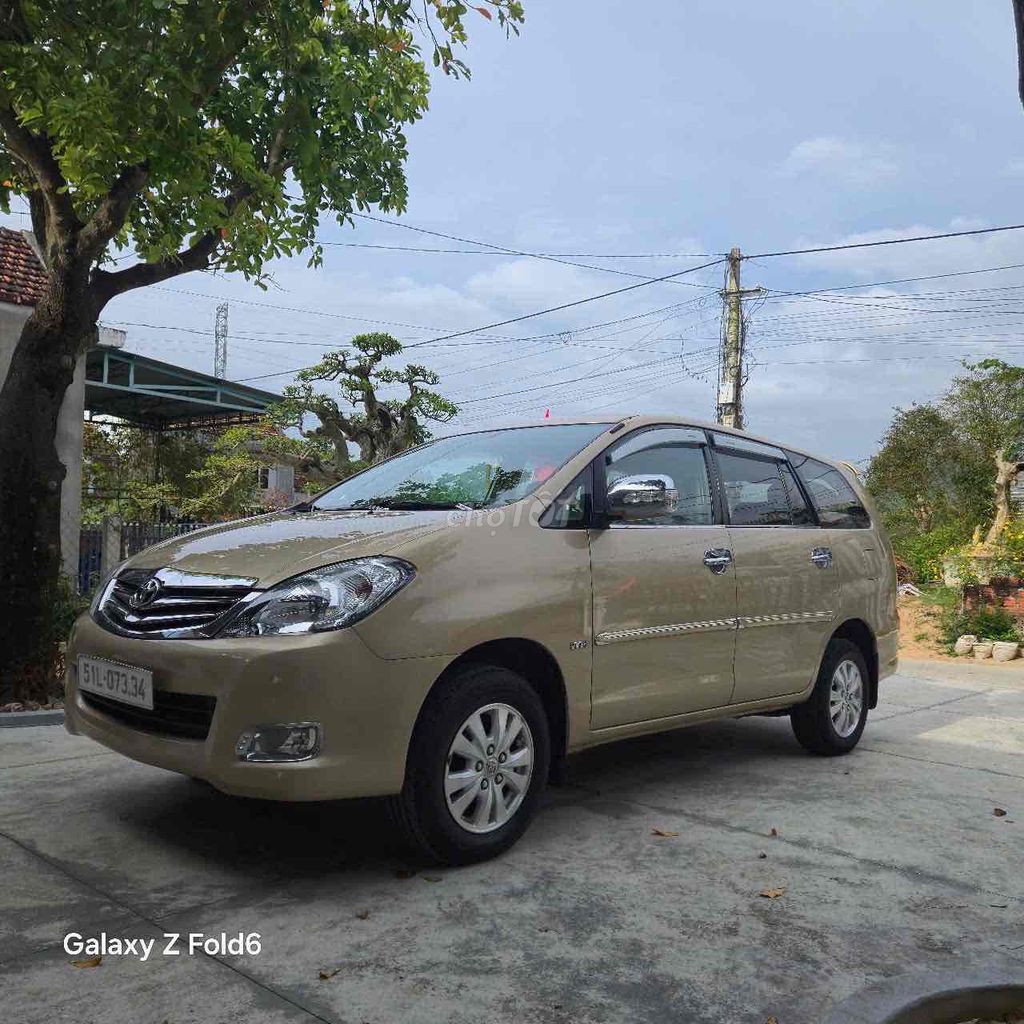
(891, 860)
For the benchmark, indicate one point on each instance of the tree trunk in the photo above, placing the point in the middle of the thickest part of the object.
(1006, 473)
(41, 369)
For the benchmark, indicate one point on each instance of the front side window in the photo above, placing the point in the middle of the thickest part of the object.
(482, 470)
(836, 501)
(670, 453)
(754, 491)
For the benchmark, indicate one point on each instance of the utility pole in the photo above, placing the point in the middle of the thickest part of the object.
(729, 411)
(220, 345)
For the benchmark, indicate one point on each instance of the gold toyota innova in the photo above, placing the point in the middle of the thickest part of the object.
(445, 627)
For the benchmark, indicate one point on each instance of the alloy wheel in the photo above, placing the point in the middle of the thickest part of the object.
(846, 698)
(488, 768)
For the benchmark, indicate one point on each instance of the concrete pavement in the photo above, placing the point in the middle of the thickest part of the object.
(891, 859)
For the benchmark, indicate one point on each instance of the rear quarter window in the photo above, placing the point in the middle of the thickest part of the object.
(831, 494)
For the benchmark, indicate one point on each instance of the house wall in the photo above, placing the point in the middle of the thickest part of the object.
(69, 435)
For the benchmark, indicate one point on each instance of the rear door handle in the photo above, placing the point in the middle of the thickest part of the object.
(821, 557)
(718, 560)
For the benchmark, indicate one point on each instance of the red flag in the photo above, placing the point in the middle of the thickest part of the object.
(547, 414)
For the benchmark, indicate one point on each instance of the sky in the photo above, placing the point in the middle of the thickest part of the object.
(669, 131)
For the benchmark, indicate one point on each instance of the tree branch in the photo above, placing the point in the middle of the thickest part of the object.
(106, 285)
(35, 152)
(109, 217)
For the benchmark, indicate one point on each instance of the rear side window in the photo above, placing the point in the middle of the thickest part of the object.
(802, 514)
(754, 491)
(836, 501)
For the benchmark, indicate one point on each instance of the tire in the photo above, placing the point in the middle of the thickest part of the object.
(482, 789)
(831, 730)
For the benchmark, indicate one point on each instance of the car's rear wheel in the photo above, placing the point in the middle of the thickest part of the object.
(477, 764)
(832, 720)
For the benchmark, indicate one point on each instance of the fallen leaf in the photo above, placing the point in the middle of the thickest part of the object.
(999, 812)
(432, 878)
(327, 975)
(771, 1020)
(663, 833)
(362, 914)
(762, 855)
(774, 832)
(404, 873)
(771, 894)
(93, 961)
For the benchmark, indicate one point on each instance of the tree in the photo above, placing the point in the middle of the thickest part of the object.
(925, 474)
(226, 483)
(137, 474)
(987, 405)
(379, 427)
(198, 133)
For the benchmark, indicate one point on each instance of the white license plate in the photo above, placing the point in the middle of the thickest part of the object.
(124, 683)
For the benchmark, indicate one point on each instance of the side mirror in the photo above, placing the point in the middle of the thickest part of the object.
(641, 497)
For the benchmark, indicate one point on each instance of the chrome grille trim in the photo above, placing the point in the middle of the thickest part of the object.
(185, 605)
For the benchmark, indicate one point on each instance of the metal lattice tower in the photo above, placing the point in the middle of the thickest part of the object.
(220, 351)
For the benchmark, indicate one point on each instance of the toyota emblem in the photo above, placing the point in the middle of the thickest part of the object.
(146, 594)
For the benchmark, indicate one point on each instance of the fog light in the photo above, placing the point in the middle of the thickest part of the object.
(294, 741)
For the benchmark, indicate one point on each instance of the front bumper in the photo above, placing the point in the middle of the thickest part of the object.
(366, 706)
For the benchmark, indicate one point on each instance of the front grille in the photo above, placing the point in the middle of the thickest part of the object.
(174, 714)
(177, 604)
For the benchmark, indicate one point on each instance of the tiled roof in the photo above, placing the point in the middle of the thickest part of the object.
(22, 276)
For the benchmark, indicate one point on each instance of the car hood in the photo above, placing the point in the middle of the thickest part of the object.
(273, 547)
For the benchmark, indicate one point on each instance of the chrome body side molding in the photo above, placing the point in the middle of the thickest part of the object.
(712, 625)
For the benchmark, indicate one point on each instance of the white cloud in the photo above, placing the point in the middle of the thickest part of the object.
(846, 160)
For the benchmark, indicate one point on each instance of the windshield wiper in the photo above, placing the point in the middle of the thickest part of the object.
(426, 506)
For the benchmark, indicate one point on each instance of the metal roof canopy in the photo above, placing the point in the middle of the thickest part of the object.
(161, 396)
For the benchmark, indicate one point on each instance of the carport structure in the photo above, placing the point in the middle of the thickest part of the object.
(160, 396)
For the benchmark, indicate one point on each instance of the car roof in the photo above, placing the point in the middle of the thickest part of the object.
(633, 420)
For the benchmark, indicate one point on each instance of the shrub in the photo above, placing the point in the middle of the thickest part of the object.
(985, 623)
(43, 679)
(924, 552)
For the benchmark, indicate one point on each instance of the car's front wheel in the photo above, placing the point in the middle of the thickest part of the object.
(832, 720)
(477, 764)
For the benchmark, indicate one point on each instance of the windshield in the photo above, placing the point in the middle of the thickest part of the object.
(482, 470)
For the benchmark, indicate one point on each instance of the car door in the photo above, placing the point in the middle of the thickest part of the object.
(664, 589)
(787, 587)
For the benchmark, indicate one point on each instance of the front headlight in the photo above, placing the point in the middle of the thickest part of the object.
(329, 598)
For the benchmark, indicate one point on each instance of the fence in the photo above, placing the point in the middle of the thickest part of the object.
(101, 548)
(90, 559)
(136, 536)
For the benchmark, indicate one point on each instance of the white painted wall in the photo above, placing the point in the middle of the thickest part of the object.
(69, 435)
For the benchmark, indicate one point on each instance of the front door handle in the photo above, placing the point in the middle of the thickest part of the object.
(718, 560)
(821, 557)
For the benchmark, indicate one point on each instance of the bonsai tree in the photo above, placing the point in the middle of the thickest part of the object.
(987, 406)
(378, 427)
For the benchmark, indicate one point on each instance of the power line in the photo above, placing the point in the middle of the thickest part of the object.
(490, 251)
(507, 250)
(574, 380)
(778, 293)
(570, 305)
(885, 241)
